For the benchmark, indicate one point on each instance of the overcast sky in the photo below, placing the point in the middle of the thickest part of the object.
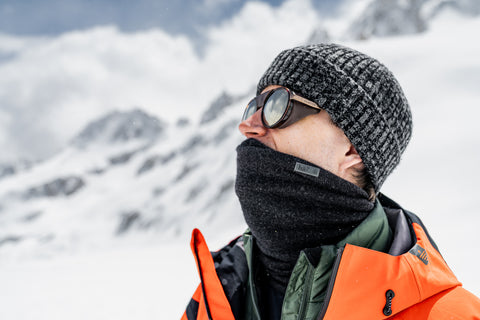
(50, 17)
(64, 63)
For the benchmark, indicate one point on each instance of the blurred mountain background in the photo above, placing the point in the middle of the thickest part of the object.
(118, 128)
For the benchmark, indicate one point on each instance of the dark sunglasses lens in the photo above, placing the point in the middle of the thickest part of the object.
(250, 110)
(275, 107)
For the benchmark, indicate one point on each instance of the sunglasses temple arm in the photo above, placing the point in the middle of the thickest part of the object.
(298, 111)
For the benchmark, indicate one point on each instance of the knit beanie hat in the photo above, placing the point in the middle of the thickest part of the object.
(359, 93)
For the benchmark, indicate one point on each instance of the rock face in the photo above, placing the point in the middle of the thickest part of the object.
(58, 187)
(216, 107)
(9, 169)
(384, 18)
(118, 127)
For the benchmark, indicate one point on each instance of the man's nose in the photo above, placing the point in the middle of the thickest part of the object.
(253, 126)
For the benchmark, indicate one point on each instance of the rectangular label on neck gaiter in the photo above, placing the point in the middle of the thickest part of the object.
(306, 169)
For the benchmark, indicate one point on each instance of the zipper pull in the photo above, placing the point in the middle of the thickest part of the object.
(387, 310)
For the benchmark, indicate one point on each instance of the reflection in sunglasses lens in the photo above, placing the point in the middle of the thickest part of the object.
(250, 110)
(275, 107)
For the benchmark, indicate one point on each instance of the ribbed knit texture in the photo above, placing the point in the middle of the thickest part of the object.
(359, 93)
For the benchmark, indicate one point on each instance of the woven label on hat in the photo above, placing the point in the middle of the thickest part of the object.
(306, 169)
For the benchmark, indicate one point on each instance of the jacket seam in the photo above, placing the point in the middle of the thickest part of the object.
(415, 277)
(202, 282)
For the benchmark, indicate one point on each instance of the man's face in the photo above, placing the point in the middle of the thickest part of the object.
(314, 138)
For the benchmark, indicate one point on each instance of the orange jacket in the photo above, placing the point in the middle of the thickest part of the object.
(368, 284)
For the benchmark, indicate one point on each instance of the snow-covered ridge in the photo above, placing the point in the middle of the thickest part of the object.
(389, 17)
(127, 172)
(383, 18)
(120, 127)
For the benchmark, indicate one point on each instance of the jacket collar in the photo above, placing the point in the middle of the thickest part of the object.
(309, 280)
(413, 276)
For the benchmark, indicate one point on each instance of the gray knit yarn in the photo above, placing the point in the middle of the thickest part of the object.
(359, 93)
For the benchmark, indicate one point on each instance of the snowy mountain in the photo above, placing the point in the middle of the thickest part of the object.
(132, 173)
(383, 18)
(127, 172)
(118, 127)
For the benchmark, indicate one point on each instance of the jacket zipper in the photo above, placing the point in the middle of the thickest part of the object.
(253, 294)
(254, 298)
(331, 282)
(306, 293)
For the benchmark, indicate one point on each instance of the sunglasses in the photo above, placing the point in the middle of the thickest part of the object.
(281, 108)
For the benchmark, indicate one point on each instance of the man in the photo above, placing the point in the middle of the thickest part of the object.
(328, 125)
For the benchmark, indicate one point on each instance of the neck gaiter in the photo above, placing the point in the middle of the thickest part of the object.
(290, 204)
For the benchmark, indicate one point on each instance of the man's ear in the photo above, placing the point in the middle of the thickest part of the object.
(350, 160)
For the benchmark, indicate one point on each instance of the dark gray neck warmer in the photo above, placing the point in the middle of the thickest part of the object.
(290, 204)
